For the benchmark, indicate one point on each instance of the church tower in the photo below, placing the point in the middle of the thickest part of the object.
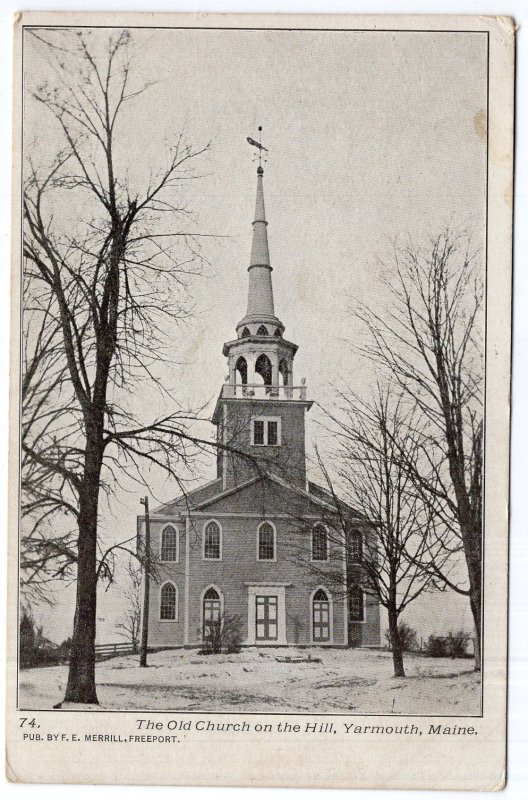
(260, 411)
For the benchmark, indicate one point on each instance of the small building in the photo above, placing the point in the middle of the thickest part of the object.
(261, 542)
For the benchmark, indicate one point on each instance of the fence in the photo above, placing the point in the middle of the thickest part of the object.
(105, 651)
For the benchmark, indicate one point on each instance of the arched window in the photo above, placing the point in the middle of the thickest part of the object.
(266, 542)
(319, 543)
(168, 605)
(241, 368)
(356, 606)
(246, 332)
(284, 371)
(263, 368)
(320, 616)
(278, 333)
(211, 613)
(212, 548)
(262, 331)
(355, 546)
(169, 544)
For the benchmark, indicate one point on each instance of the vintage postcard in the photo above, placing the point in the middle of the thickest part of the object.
(260, 400)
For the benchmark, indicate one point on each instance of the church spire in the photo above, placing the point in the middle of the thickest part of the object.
(260, 291)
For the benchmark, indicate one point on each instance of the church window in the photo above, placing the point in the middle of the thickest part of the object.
(355, 546)
(356, 610)
(319, 543)
(212, 541)
(266, 431)
(262, 331)
(245, 333)
(169, 544)
(168, 604)
(266, 542)
(272, 432)
(278, 333)
(258, 431)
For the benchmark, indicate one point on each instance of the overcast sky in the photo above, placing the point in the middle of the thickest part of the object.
(370, 136)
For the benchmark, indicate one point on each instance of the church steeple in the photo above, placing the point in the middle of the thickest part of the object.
(260, 290)
(260, 309)
(259, 404)
(260, 352)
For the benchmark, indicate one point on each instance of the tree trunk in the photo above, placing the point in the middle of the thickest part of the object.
(397, 652)
(471, 539)
(81, 676)
(476, 605)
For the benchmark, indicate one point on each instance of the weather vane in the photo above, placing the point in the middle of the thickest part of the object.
(261, 149)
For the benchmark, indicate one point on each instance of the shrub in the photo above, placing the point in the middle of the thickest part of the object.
(437, 647)
(408, 638)
(232, 634)
(28, 639)
(35, 649)
(225, 637)
(63, 650)
(457, 644)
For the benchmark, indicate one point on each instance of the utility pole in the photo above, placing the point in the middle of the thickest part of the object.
(146, 586)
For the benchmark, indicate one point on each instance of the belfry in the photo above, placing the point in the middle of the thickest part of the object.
(260, 542)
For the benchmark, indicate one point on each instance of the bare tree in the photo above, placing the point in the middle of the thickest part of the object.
(389, 559)
(109, 269)
(430, 341)
(48, 511)
(129, 625)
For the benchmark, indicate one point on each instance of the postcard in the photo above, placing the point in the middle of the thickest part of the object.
(261, 289)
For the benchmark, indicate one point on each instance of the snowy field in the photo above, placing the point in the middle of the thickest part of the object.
(348, 681)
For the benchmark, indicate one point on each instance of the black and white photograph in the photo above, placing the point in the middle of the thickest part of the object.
(253, 386)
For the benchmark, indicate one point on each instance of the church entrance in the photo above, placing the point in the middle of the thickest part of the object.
(266, 613)
(266, 618)
(321, 617)
(211, 613)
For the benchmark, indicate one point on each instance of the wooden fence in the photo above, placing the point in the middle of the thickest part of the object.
(105, 651)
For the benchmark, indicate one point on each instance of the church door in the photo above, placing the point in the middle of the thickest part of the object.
(211, 613)
(321, 617)
(266, 618)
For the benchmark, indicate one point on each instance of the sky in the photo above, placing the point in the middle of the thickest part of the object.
(371, 136)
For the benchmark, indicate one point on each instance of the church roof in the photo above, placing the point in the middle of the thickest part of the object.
(260, 493)
(189, 500)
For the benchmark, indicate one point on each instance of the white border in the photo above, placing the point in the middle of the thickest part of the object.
(517, 786)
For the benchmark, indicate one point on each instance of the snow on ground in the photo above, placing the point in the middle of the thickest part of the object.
(347, 681)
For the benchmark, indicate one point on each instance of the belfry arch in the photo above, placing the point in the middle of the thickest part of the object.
(242, 369)
(263, 368)
(284, 370)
